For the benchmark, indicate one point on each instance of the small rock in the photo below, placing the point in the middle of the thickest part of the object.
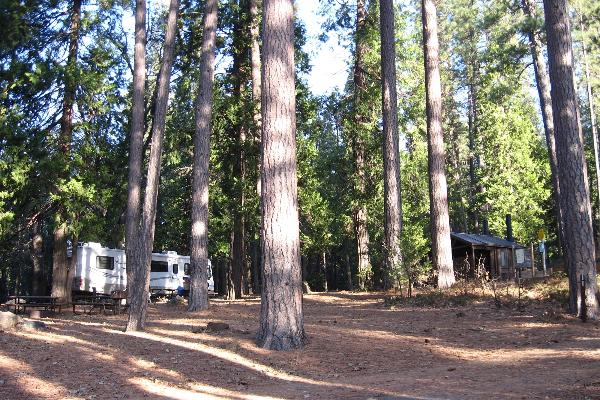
(426, 340)
(451, 369)
(9, 320)
(217, 326)
(198, 329)
(460, 314)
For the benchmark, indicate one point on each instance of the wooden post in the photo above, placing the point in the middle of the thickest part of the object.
(532, 261)
(473, 266)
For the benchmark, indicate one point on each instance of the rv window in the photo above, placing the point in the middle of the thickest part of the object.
(104, 262)
(175, 269)
(186, 269)
(159, 266)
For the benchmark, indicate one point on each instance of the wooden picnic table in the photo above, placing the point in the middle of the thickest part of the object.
(99, 301)
(156, 293)
(22, 302)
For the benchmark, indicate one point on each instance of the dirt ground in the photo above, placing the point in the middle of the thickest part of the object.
(359, 348)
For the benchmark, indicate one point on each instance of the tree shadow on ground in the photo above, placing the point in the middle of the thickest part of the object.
(357, 349)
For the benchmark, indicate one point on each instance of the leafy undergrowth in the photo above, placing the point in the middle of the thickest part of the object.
(551, 293)
(555, 290)
(435, 298)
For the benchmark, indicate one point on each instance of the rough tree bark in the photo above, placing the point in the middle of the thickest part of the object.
(363, 270)
(240, 78)
(438, 190)
(60, 263)
(281, 315)
(141, 265)
(255, 6)
(391, 151)
(255, 62)
(37, 259)
(543, 87)
(134, 180)
(198, 299)
(574, 194)
(472, 71)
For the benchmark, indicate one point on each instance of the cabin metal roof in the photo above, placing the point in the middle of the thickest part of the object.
(484, 240)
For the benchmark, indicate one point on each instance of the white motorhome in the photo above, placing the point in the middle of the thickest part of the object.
(99, 269)
(103, 270)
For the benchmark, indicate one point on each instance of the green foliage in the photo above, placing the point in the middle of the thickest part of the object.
(483, 53)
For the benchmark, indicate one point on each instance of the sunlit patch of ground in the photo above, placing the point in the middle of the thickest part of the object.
(359, 348)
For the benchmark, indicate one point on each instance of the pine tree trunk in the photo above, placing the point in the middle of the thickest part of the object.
(60, 266)
(364, 272)
(134, 182)
(391, 151)
(230, 286)
(472, 71)
(349, 284)
(60, 263)
(255, 6)
(574, 194)
(256, 285)
(590, 97)
(238, 264)
(198, 299)
(239, 76)
(141, 266)
(281, 316)
(37, 259)
(324, 264)
(438, 190)
(255, 64)
(543, 87)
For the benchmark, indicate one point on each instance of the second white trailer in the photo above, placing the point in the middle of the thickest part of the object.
(103, 270)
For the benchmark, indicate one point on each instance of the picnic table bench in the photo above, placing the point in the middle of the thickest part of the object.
(22, 302)
(99, 301)
(156, 293)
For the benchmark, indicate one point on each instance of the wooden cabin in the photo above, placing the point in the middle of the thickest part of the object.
(499, 257)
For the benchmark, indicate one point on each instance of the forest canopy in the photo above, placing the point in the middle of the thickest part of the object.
(74, 180)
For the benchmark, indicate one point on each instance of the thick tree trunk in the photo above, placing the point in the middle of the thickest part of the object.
(60, 263)
(543, 87)
(134, 182)
(438, 190)
(281, 315)
(574, 194)
(141, 266)
(198, 299)
(391, 151)
(37, 259)
(364, 272)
